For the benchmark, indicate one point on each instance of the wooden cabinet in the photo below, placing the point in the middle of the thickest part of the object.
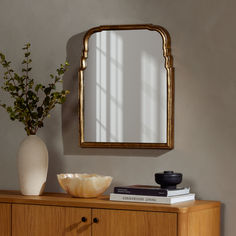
(35, 220)
(5, 219)
(134, 223)
(62, 215)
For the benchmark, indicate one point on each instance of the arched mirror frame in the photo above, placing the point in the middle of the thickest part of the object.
(170, 89)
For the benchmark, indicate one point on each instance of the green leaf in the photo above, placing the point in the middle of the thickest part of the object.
(8, 63)
(56, 95)
(27, 54)
(31, 83)
(26, 46)
(46, 101)
(12, 117)
(34, 115)
(66, 92)
(2, 57)
(12, 87)
(57, 79)
(40, 112)
(40, 124)
(52, 86)
(9, 109)
(31, 94)
(47, 90)
(38, 86)
(62, 100)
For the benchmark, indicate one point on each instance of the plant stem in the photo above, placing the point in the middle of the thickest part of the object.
(26, 90)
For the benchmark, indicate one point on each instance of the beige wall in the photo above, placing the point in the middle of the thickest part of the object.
(203, 43)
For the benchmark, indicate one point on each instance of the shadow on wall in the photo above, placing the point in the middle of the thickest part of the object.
(54, 152)
(70, 120)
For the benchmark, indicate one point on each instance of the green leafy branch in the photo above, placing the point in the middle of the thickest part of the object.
(27, 107)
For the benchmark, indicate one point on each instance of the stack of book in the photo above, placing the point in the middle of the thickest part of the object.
(151, 194)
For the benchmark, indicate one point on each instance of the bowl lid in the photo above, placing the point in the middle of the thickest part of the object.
(169, 173)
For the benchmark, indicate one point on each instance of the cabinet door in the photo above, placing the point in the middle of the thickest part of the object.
(133, 223)
(35, 220)
(5, 219)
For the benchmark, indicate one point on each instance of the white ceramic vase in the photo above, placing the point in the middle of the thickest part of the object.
(32, 165)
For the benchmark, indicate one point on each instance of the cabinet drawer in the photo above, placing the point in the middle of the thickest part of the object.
(133, 223)
(35, 220)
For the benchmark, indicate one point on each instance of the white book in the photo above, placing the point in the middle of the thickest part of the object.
(152, 199)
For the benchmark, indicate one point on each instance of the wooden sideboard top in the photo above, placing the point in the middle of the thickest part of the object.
(61, 199)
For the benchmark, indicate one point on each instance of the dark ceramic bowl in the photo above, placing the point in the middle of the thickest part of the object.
(168, 179)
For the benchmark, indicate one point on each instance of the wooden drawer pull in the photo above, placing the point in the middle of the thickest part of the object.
(95, 220)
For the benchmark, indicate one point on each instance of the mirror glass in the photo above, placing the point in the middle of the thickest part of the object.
(125, 88)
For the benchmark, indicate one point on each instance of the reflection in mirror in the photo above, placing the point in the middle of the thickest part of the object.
(124, 94)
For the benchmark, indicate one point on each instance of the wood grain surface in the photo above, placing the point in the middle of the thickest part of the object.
(133, 223)
(60, 199)
(5, 219)
(33, 220)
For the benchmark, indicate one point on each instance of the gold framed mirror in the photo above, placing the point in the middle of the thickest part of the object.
(126, 88)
